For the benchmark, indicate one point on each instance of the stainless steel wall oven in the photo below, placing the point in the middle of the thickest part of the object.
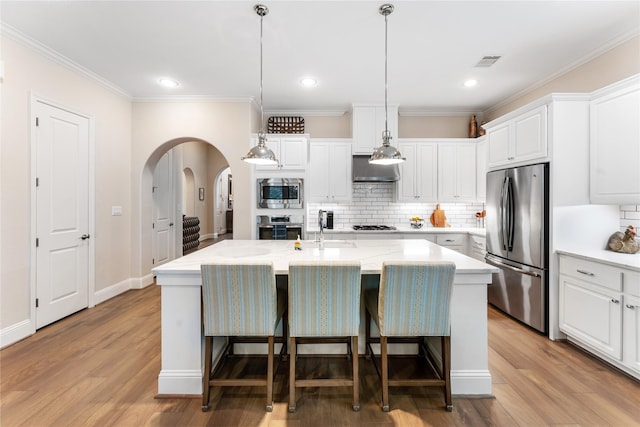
(282, 227)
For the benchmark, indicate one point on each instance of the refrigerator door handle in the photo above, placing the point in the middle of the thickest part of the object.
(503, 214)
(511, 214)
(492, 260)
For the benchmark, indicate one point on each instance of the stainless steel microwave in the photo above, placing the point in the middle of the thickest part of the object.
(280, 193)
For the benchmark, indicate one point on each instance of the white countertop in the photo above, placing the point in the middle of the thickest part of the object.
(616, 259)
(407, 229)
(371, 253)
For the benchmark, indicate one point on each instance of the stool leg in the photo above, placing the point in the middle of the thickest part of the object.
(446, 367)
(367, 332)
(355, 374)
(270, 374)
(292, 374)
(385, 374)
(208, 350)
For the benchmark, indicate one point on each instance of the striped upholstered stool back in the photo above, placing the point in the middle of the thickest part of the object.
(239, 299)
(414, 298)
(324, 299)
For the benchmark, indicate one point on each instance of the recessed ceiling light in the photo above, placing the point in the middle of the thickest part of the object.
(308, 82)
(169, 82)
(471, 83)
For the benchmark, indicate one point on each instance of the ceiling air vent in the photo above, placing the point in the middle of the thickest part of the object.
(487, 61)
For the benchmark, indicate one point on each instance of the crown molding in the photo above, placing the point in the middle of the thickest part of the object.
(47, 52)
(193, 98)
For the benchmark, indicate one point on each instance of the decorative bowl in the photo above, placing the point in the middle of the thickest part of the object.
(416, 223)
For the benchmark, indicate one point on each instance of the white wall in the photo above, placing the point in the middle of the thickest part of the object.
(27, 72)
(159, 126)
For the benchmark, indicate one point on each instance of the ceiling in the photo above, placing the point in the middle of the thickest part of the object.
(213, 47)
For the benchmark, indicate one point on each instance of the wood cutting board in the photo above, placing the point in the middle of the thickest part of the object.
(438, 219)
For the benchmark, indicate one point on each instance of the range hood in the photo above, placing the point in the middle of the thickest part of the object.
(363, 171)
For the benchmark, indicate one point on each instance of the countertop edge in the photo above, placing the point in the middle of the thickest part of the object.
(615, 259)
(425, 230)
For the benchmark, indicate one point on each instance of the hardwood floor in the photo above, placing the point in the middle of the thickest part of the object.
(99, 367)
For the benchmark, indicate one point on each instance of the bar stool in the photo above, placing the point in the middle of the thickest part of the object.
(414, 300)
(324, 303)
(240, 300)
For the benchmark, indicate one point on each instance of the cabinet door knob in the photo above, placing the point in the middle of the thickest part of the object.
(615, 301)
(588, 273)
(630, 306)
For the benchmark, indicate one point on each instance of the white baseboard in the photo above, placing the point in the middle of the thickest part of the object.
(208, 236)
(114, 290)
(471, 383)
(16, 332)
(142, 282)
(179, 382)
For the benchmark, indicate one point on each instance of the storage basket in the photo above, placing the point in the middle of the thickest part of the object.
(285, 124)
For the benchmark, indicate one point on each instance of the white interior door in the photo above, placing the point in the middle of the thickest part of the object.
(163, 212)
(62, 213)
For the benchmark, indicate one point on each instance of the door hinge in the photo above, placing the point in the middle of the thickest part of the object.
(37, 182)
(153, 225)
(37, 302)
(37, 242)
(153, 261)
(37, 121)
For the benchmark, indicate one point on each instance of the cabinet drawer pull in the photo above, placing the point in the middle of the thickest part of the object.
(588, 273)
(449, 240)
(630, 306)
(615, 301)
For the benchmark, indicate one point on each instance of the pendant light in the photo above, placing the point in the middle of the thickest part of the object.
(261, 154)
(386, 154)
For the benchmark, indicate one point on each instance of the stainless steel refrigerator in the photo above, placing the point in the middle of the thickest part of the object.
(517, 242)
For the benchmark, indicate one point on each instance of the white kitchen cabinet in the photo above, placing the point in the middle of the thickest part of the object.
(329, 171)
(615, 144)
(600, 310)
(477, 247)
(519, 139)
(456, 172)
(291, 152)
(454, 241)
(631, 339)
(481, 169)
(368, 125)
(419, 173)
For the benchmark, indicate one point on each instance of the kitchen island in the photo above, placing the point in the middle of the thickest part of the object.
(182, 342)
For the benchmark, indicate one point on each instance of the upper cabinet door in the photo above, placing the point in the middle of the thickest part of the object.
(615, 145)
(457, 172)
(419, 173)
(291, 152)
(330, 171)
(368, 125)
(519, 140)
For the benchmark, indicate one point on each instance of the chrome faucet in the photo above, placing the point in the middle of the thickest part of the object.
(321, 225)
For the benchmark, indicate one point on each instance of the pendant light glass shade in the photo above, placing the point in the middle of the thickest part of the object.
(261, 154)
(386, 154)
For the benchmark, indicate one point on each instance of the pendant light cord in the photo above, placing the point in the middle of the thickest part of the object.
(386, 112)
(261, 107)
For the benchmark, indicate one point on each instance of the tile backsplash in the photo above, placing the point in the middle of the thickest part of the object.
(373, 203)
(629, 215)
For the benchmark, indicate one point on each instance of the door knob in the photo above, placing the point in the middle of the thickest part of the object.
(85, 236)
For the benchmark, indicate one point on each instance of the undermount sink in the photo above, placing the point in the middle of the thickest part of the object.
(331, 244)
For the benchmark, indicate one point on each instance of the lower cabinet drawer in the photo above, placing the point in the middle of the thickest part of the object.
(451, 239)
(599, 274)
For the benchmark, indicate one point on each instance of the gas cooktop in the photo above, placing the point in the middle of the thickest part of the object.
(374, 227)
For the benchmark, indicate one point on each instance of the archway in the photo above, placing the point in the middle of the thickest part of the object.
(210, 165)
(188, 192)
